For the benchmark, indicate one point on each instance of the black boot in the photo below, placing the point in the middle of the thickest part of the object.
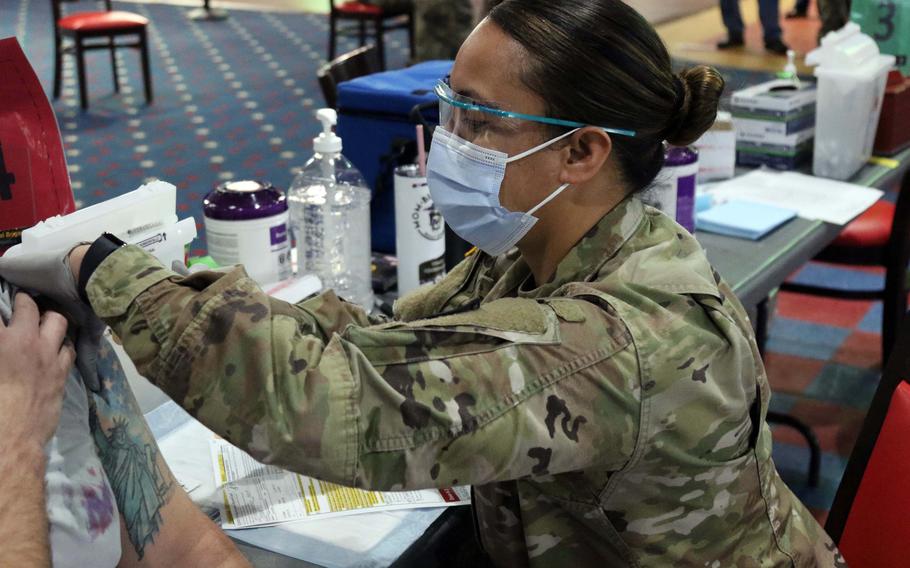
(733, 41)
(776, 46)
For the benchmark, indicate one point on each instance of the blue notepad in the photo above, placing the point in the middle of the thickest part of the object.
(743, 219)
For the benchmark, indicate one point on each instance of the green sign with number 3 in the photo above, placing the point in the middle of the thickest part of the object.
(888, 21)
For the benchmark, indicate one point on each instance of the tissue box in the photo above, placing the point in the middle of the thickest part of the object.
(775, 124)
(717, 150)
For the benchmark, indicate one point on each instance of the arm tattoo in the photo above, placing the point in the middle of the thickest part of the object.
(129, 454)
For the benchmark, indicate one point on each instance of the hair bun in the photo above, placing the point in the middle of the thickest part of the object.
(700, 88)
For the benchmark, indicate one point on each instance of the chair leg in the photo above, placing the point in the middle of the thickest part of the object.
(380, 42)
(333, 37)
(761, 326)
(58, 66)
(362, 32)
(114, 66)
(815, 452)
(894, 308)
(146, 69)
(412, 37)
(80, 68)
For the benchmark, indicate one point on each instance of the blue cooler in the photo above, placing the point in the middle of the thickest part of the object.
(373, 121)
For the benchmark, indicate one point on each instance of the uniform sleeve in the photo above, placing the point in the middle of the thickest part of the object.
(516, 388)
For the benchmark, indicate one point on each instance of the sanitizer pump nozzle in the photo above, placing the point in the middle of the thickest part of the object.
(327, 142)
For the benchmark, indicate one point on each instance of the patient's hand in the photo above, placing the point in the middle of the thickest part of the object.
(34, 364)
(35, 359)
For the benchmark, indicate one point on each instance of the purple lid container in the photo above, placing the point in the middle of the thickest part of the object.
(680, 156)
(244, 201)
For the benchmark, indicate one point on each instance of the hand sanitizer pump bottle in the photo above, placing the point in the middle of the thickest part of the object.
(329, 205)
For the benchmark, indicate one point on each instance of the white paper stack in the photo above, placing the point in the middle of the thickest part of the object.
(811, 197)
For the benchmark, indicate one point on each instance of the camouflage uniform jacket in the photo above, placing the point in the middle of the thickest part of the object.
(613, 416)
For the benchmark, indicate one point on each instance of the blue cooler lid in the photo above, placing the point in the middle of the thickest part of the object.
(393, 92)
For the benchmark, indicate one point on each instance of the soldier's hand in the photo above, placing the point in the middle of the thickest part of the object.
(54, 275)
(35, 359)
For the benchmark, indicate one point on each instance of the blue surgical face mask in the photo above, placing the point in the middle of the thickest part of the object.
(465, 180)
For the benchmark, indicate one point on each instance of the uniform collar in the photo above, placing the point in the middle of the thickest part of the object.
(598, 246)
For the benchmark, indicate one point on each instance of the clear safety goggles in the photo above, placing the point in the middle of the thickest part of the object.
(469, 119)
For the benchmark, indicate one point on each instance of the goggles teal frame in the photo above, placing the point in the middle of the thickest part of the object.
(444, 92)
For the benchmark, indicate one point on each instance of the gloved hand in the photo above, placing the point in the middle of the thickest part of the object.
(49, 274)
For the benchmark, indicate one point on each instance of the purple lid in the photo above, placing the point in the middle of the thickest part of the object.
(680, 156)
(244, 200)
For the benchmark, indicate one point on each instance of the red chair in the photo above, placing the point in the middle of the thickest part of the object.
(364, 14)
(870, 517)
(878, 237)
(87, 31)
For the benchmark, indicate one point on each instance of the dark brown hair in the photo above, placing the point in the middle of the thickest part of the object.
(600, 63)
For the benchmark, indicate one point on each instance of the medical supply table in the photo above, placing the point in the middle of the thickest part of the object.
(752, 268)
(755, 268)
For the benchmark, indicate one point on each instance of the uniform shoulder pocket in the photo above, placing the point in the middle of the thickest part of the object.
(507, 314)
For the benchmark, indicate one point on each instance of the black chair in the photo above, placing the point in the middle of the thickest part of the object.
(94, 30)
(361, 16)
(868, 519)
(362, 61)
(880, 237)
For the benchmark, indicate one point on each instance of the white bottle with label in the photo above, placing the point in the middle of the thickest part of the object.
(419, 232)
(329, 204)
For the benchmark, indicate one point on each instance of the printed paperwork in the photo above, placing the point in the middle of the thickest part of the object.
(811, 197)
(743, 219)
(256, 495)
(368, 540)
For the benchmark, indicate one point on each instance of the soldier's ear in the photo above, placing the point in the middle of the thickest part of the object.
(585, 155)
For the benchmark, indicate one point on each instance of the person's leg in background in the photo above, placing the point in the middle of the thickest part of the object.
(733, 21)
(801, 10)
(393, 5)
(834, 15)
(442, 26)
(769, 12)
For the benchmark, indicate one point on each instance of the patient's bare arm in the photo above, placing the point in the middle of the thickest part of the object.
(160, 525)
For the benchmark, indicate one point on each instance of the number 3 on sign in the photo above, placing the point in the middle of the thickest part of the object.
(887, 10)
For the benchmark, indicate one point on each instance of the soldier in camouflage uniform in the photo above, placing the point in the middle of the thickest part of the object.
(609, 412)
(614, 416)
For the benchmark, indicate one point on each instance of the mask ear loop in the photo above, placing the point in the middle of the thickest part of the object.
(552, 196)
(540, 147)
(527, 153)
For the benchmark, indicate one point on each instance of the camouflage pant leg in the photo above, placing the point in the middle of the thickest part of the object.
(441, 26)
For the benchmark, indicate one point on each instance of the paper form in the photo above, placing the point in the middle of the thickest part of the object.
(256, 495)
(811, 197)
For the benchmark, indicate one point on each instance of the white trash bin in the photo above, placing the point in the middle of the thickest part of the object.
(852, 74)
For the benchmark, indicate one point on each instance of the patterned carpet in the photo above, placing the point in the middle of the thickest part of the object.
(234, 99)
